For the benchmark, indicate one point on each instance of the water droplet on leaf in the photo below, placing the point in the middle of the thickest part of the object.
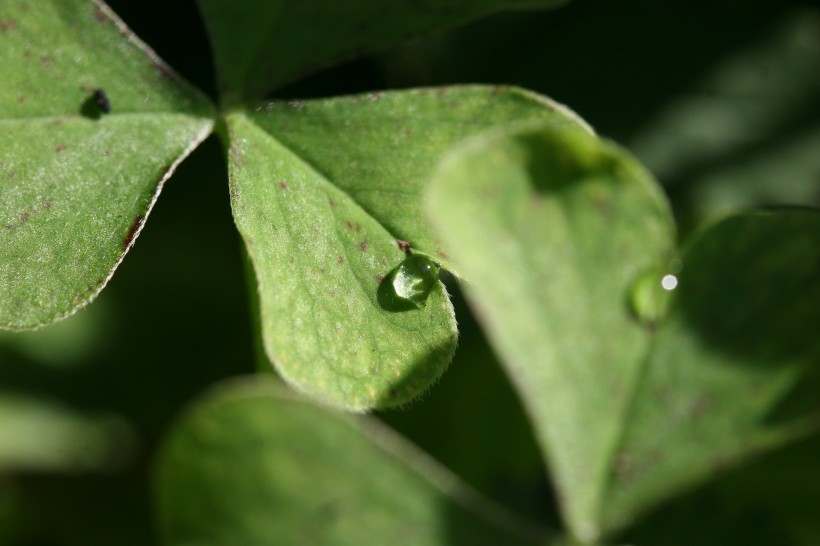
(413, 279)
(649, 294)
(669, 282)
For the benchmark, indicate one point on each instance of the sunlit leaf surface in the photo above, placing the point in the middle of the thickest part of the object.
(77, 181)
(327, 197)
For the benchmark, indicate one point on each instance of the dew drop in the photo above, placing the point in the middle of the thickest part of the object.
(413, 279)
(649, 294)
(669, 282)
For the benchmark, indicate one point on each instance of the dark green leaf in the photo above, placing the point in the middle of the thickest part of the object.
(733, 370)
(261, 44)
(76, 182)
(253, 464)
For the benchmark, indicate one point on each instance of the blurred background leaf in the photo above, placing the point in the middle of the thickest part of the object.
(552, 227)
(734, 369)
(747, 134)
(771, 502)
(551, 230)
(253, 463)
(259, 45)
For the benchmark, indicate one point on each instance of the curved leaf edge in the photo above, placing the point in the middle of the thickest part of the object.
(233, 98)
(390, 442)
(764, 445)
(91, 296)
(247, 109)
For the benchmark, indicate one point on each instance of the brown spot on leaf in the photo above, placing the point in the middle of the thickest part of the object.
(24, 217)
(442, 254)
(60, 148)
(132, 231)
(100, 16)
(7, 25)
(283, 185)
(623, 466)
(404, 246)
(379, 278)
(363, 246)
(602, 204)
(331, 202)
(340, 260)
(164, 71)
(701, 406)
(45, 59)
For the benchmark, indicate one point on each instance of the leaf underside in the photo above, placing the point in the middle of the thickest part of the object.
(76, 182)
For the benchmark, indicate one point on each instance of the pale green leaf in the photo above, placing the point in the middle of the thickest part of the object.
(261, 44)
(76, 183)
(252, 464)
(322, 267)
(381, 148)
(558, 232)
(552, 227)
(325, 194)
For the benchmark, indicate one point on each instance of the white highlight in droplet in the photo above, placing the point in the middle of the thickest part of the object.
(669, 282)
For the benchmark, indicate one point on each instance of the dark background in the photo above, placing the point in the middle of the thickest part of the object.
(175, 318)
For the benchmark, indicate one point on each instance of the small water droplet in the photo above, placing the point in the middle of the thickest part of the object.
(409, 284)
(415, 278)
(649, 294)
(669, 282)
